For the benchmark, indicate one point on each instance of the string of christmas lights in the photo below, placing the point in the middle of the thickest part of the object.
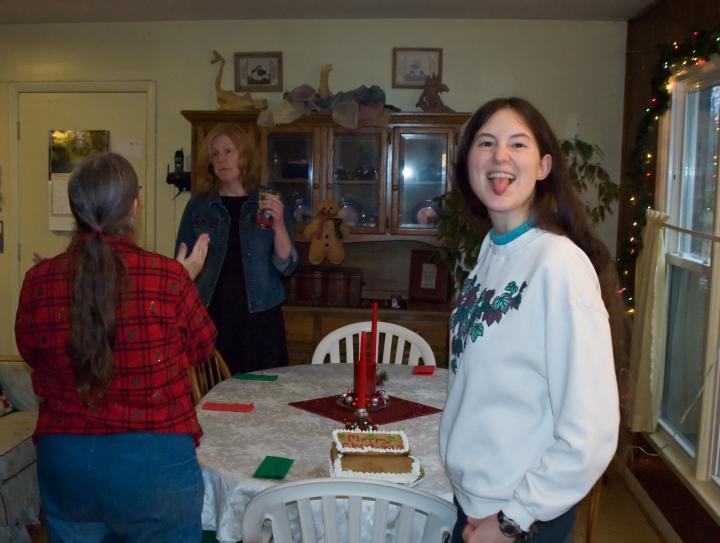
(693, 51)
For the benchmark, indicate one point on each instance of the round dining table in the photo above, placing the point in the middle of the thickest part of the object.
(235, 443)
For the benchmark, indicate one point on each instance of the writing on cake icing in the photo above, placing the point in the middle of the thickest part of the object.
(376, 441)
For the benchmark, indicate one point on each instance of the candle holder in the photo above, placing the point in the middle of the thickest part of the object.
(379, 400)
(375, 398)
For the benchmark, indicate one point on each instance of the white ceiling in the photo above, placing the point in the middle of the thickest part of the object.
(67, 11)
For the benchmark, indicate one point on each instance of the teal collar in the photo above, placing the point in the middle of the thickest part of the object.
(507, 237)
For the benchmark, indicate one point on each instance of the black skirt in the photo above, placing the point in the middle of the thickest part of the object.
(247, 341)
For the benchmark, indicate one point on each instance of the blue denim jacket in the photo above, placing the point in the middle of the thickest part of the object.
(263, 269)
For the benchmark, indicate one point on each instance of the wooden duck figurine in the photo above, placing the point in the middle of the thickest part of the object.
(229, 99)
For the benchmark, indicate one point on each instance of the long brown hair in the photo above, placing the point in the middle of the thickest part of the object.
(556, 207)
(247, 156)
(102, 191)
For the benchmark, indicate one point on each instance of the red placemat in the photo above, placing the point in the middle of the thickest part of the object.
(398, 409)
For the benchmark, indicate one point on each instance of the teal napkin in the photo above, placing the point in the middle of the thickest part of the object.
(273, 467)
(255, 377)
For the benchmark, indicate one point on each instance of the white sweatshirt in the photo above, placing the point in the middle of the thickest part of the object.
(532, 416)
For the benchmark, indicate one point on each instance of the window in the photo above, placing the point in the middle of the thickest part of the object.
(690, 409)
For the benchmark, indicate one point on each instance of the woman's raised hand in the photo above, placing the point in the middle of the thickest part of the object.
(195, 261)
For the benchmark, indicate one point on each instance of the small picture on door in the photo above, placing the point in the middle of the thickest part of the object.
(69, 147)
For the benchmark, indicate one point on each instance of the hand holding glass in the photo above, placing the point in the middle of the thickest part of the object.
(264, 218)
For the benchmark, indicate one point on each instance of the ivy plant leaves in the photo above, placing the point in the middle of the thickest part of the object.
(586, 171)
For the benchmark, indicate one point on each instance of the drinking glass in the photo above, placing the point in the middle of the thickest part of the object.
(264, 219)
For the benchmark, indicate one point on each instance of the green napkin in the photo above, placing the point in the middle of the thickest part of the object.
(273, 467)
(255, 377)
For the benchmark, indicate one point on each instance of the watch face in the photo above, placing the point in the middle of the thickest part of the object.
(508, 527)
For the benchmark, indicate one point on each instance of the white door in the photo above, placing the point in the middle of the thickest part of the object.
(124, 114)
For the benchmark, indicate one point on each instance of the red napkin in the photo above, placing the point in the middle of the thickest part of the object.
(423, 370)
(235, 407)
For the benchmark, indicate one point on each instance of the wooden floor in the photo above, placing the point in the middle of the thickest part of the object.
(620, 518)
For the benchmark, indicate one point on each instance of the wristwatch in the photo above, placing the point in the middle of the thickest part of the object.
(510, 528)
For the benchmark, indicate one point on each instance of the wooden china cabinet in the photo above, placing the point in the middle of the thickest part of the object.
(383, 178)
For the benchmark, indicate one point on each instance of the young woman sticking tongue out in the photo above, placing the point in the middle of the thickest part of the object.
(531, 420)
(504, 165)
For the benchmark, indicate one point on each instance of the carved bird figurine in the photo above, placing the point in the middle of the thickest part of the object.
(324, 88)
(229, 99)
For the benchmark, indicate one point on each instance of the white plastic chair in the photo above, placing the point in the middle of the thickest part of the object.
(437, 516)
(393, 339)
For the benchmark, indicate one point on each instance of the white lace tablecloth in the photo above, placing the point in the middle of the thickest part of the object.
(234, 444)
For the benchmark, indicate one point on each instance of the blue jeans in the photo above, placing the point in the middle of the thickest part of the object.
(559, 530)
(134, 488)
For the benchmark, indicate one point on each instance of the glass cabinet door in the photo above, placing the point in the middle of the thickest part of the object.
(356, 176)
(420, 174)
(290, 170)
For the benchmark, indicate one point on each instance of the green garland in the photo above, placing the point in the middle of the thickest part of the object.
(695, 50)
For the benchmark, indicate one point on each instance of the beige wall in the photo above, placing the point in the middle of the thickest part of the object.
(573, 71)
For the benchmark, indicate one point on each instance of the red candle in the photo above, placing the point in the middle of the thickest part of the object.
(356, 373)
(360, 389)
(371, 379)
(372, 366)
(373, 330)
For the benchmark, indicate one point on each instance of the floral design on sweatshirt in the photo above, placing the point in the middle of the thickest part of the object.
(476, 310)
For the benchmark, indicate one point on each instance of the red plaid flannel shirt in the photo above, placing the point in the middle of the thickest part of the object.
(162, 327)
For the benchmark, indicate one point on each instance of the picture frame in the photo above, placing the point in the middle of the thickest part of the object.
(259, 72)
(429, 278)
(412, 65)
(66, 148)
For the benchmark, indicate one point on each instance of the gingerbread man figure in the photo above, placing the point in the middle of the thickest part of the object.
(326, 233)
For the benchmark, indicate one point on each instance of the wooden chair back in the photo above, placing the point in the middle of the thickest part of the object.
(206, 375)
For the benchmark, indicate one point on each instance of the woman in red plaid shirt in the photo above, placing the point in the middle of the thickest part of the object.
(110, 330)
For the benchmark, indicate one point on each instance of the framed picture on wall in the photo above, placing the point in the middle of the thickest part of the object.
(429, 278)
(258, 72)
(411, 66)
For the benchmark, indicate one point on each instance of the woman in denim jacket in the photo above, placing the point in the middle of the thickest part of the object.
(241, 278)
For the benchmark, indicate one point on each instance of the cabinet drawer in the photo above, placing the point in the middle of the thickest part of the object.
(435, 333)
(299, 328)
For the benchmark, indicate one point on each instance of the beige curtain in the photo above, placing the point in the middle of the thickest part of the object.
(647, 361)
